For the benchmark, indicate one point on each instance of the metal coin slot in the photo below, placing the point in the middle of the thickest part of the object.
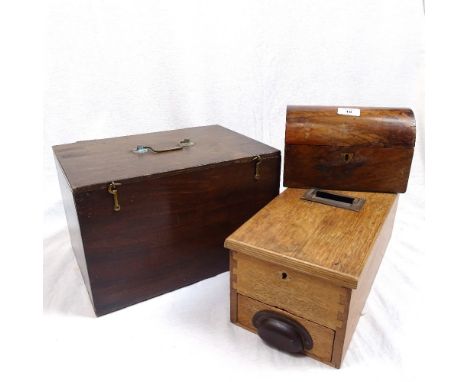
(335, 200)
(336, 197)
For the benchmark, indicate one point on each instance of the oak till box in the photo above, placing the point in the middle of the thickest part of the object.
(301, 271)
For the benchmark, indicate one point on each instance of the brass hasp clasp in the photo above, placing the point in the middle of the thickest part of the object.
(257, 159)
(112, 189)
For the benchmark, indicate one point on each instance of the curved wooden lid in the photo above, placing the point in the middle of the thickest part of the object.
(322, 125)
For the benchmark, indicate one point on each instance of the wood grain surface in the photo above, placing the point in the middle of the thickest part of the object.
(93, 164)
(375, 127)
(372, 152)
(232, 288)
(381, 170)
(316, 239)
(74, 228)
(322, 337)
(359, 295)
(170, 229)
(303, 295)
(303, 260)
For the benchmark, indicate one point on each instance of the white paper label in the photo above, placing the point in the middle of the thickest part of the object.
(349, 111)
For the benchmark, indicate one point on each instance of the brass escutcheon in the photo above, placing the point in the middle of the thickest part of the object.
(347, 157)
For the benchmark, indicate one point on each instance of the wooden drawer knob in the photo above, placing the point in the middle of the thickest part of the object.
(282, 332)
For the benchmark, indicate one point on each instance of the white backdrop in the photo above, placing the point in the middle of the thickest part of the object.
(125, 67)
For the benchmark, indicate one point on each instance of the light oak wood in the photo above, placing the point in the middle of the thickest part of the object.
(322, 336)
(232, 288)
(298, 258)
(309, 297)
(340, 334)
(359, 295)
(316, 239)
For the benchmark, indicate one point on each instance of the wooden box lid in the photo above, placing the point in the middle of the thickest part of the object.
(321, 240)
(93, 164)
(374, 127)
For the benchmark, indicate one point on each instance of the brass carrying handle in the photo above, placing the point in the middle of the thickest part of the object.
(140, 149)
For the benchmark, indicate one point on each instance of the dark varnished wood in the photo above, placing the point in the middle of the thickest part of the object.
(93, 164)
(170, 230)
(379, 170)
(282, 332)
(372, 152)
(73, 226)
(322, 337)
(376, 127)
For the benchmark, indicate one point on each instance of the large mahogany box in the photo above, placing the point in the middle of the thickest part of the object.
(341, 148)
(149, 213)
(301, 271)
